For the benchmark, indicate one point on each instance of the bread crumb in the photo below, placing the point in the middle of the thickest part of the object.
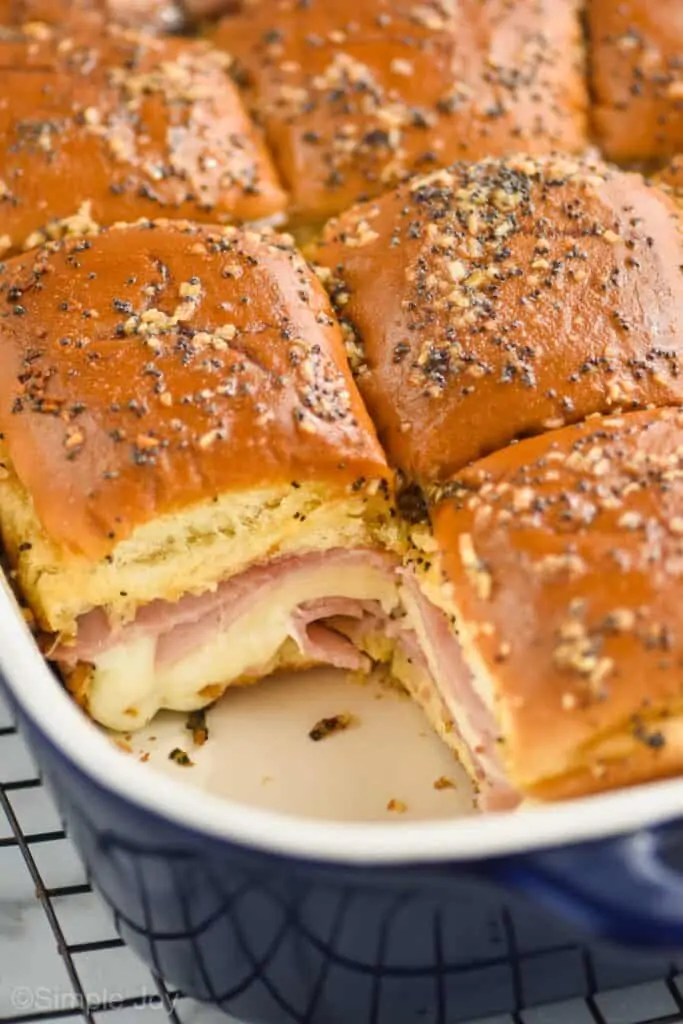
(443, 782)
(397, 806)
(329, 726)
(181, 757)
(196, 724)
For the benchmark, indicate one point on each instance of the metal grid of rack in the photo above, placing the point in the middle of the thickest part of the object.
(60, 957)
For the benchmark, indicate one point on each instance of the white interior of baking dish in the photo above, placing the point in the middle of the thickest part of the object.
(383, 790)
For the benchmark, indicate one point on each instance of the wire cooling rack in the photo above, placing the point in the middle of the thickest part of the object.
(61, 960)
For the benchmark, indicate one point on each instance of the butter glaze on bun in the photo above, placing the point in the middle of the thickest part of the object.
(18, 13)
(110, 125)
(495, 300)
(149, 15)
(355, 97)
(637, 78)
(565, 554)
(174, 403)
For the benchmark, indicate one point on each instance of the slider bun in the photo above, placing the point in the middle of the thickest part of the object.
(353, 98)
(159, 15)
(145, 14)
(31, 13)
(565, 553)
(637, 77)
(174, 404)
(75, 154)
(499, 299)
(198, 9)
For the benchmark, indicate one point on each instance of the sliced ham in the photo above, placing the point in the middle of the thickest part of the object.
(182, 626)
(324, 643)
(474, 720)
(474, 723)
(327, 630)
(327, 647)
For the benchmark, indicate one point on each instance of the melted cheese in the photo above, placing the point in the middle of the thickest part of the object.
(127, 688)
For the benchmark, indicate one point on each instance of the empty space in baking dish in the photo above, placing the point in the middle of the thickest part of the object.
(385, 765)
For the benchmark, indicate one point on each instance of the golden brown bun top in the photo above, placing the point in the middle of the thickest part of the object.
(355, 95)
(155, 366)
(154, 15)
(637, 72)
(566, 556)
(159, 15)
(499, 299)
(50, 12)
(133, 125)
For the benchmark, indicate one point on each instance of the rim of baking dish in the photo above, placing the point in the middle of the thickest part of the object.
(38, 692)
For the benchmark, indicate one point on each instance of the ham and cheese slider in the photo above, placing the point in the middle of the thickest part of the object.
(355, 97)
(636, 62)
(482, 304)
(105, 124)
(190, 486)
(565, 560)
(489, 301)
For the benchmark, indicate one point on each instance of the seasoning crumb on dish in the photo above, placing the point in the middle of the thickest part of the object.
(181, 757)
(328, 726)
(443, 782)
(196, 724)
(397, 806)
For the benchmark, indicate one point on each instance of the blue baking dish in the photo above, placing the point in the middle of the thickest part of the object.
(278, 919)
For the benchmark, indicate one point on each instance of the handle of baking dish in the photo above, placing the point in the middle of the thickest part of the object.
(624, 889)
